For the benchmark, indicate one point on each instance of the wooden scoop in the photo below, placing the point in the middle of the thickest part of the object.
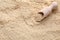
(46, 11)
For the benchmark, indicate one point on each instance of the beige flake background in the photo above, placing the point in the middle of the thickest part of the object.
(17, 20)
